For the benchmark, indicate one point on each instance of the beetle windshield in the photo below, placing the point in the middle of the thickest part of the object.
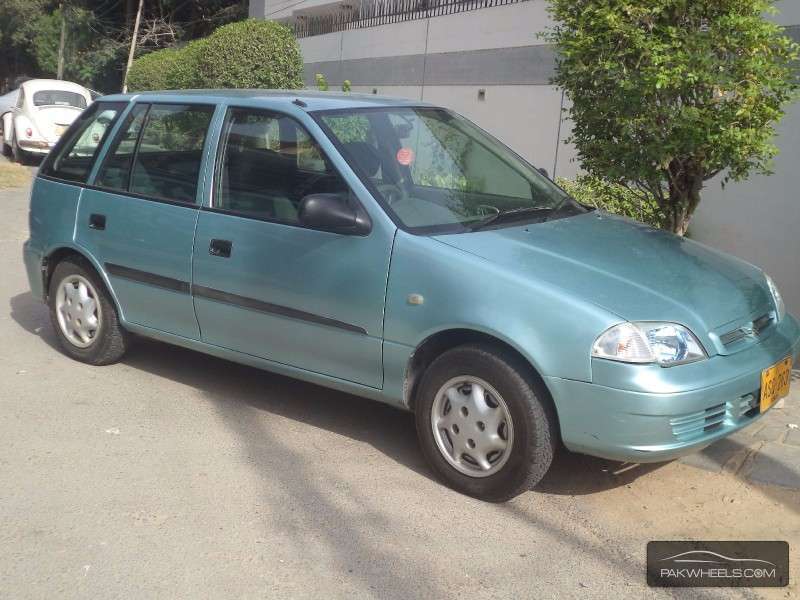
(436, 171)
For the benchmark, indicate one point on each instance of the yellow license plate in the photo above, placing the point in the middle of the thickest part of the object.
(60, 129)
(775, 382)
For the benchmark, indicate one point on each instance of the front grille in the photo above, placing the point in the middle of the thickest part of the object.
(752, 329)
(687, 427)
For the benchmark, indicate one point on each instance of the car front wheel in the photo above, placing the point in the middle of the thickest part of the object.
(486, 425)
(84, 316)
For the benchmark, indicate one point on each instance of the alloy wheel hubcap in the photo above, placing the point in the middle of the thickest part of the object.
(78, 311)
(472, 426)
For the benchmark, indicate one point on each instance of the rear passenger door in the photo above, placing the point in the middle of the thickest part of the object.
(266, 285)
(139, 216)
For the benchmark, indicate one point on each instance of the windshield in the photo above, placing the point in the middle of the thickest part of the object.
(435, 171)
(59, 98)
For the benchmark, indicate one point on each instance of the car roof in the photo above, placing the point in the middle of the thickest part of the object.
(313, 101)
(34, 85)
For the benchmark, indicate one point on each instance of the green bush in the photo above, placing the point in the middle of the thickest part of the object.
(614, 198)
(183, 73)
(149, 72)
(246, 54)
(251, 54)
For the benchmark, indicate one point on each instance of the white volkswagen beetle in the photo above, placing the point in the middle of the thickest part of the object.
(43, 110)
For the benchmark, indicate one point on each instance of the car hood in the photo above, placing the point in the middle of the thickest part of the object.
(630, 269)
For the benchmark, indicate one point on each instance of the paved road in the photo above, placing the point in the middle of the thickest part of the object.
(177, 475)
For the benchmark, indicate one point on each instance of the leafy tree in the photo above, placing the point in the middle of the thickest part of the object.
(98, 35)
(17, 30)
(614, 198)
(666, 94)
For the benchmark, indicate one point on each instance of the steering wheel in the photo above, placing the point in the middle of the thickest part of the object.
(392, 193)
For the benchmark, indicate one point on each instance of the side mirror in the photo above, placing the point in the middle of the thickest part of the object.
(544, 172)
(336, 213)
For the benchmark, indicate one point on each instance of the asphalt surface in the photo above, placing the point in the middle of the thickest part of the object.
(177, 475)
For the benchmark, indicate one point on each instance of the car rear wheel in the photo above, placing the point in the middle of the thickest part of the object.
(84, 316)
(486, 425)
(5, 147)
(18, 153)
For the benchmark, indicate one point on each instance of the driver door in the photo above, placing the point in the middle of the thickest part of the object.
(264, 284)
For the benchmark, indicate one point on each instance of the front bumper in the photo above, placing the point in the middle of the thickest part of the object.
(695, 405)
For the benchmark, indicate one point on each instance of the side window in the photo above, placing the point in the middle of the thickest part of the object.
(116, 170)
(267, 164)
(73, 156)
(166, 162)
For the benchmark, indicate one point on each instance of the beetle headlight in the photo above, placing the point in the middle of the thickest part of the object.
(777, 299)
(666, 344)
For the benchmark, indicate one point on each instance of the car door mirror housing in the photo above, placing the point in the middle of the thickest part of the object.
(336, 213)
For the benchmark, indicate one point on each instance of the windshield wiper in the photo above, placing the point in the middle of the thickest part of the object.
(504, 215)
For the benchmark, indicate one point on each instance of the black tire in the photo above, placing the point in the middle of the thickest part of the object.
(18, 153)
(111, 341)
(6, 149)
(535, 436)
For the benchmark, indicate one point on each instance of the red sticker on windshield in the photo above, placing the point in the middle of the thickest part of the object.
(405, 156)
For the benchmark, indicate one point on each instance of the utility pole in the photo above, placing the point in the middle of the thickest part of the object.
(60, 72)
(133, 46)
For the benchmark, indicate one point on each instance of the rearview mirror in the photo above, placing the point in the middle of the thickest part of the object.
(337, 213)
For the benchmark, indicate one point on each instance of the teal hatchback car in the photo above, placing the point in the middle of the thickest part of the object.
(394, 250)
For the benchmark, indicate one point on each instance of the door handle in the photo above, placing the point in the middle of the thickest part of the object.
(97, 221)
(220, 248)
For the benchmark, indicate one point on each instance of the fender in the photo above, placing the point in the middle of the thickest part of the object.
(83, 252)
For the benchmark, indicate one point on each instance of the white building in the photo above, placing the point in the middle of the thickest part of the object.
(485, 59)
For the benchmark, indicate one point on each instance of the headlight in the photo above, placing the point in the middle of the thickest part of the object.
(780, 307)
(666, 344)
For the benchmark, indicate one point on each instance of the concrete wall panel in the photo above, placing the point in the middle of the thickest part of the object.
(789, 12)
(410, 92)
(398, 39)
(497, 27)
(321, 48)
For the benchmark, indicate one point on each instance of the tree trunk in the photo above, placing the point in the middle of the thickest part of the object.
(133, 47)
(61, 42)
(685, 185)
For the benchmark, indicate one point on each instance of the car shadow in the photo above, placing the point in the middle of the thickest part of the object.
(387, 429)
(579, 475)
(31, 314)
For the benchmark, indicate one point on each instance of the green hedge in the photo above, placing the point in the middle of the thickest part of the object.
(614, 198)
(246, 54)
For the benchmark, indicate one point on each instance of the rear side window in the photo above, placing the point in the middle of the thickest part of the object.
(167, 161)
(116, 170)
(158, 151)
(73, 156)
(268, 163)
